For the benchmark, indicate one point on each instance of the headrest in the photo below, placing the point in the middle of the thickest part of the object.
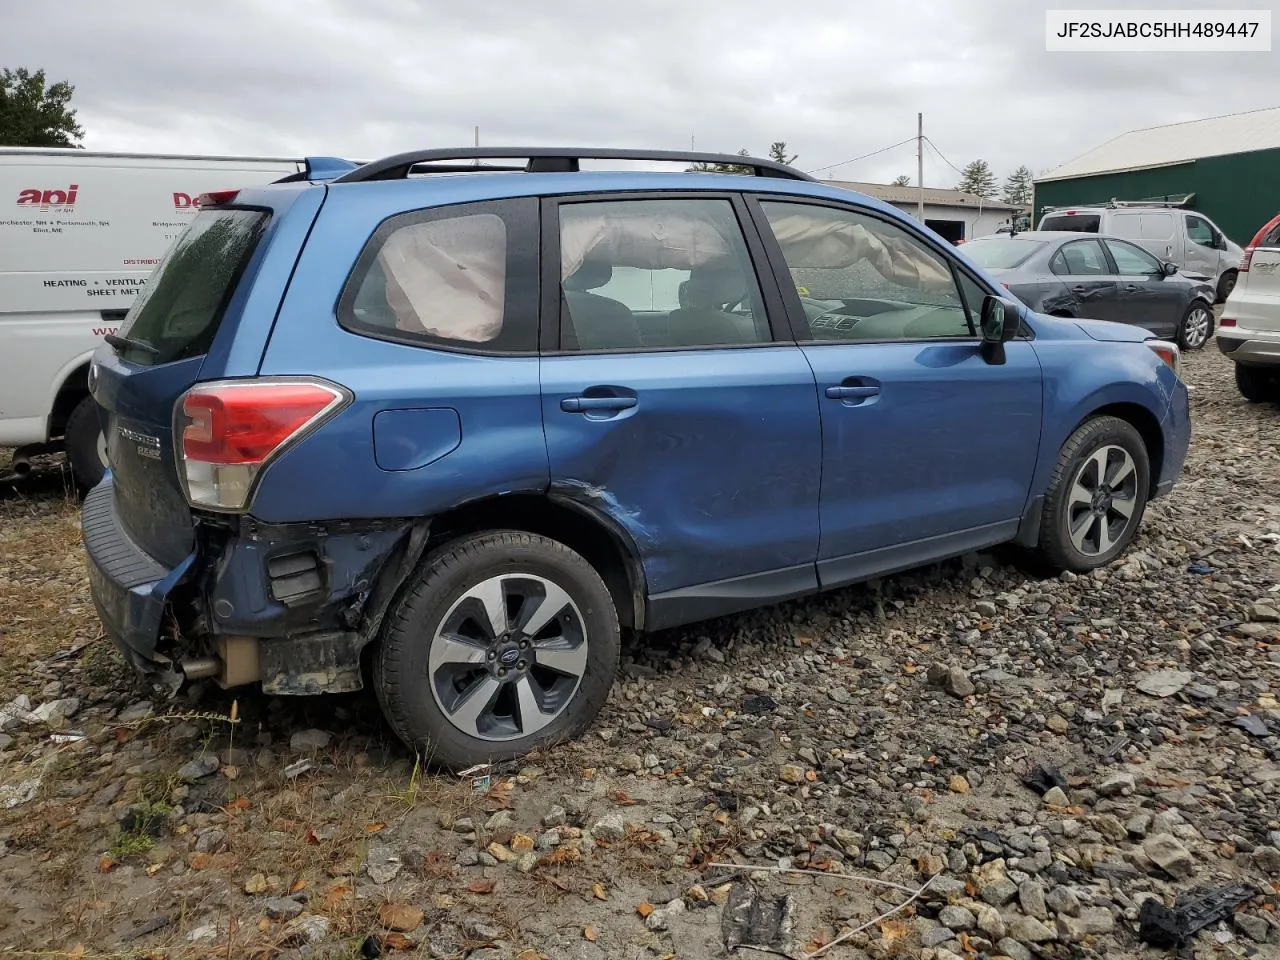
(714, 285)
(589, 276)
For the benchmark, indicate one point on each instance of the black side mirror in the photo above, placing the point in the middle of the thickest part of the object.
(1168, 269)
(1000, 322)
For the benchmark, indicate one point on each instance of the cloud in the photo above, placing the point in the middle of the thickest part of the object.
(361, 78)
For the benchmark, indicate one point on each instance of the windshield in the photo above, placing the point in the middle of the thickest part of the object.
(1074, 222)
(178, 311)
(1000, 254)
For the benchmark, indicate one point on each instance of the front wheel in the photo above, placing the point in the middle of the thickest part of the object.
(1196, 326)
(1258, 384)
(1096, 495)
(507, 641)
(85, 444)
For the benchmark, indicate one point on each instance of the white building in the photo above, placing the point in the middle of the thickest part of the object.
(951, 214)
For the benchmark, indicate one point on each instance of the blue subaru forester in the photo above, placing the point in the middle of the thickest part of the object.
(448, 425)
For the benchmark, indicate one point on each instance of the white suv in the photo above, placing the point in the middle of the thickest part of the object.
(1249, 330)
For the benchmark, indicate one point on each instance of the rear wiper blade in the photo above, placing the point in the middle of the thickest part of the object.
(121, 343)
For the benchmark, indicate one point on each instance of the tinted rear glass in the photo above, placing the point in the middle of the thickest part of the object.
(1000, 254)
(1077, 223)
(178, 311)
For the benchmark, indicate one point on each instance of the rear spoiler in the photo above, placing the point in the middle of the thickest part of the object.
(320, 168)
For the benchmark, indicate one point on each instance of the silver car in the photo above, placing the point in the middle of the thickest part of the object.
(1065, 274)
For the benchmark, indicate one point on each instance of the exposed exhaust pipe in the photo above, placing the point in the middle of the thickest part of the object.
(21, 464)
(198, 668)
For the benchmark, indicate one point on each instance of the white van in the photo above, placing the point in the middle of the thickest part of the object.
(1190, 240)
(79, 234)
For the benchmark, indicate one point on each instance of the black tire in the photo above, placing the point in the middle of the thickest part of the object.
(1055, 543)
(81, 439)
(1227, 283)
(401, 666)
(1258, 384)
(1196, 326)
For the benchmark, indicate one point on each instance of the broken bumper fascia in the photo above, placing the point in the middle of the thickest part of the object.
(296, 602)
(313, 594)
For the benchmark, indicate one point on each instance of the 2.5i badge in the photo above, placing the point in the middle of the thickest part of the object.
(148, 446)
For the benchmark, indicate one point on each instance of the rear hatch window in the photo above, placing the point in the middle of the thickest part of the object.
(995, 254)
(156, 356)
(178, 311)
(1075, 222)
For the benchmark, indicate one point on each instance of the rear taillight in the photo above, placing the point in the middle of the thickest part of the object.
(1227, 322)
(1258, 240)
(1168, 352)
(228, 431)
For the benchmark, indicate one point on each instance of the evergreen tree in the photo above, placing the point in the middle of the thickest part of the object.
(977, 178)
(1017, 187)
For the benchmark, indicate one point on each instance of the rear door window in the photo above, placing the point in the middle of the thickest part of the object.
(656, 273)
(178, 311)
(1074, 222)
(1080, 258)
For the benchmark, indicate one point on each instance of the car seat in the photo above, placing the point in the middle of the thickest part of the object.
(701, 317)
(593, 322)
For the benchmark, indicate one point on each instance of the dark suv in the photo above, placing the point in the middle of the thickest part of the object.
(460, 422)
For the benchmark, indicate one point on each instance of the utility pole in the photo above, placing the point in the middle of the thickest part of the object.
(920, 166)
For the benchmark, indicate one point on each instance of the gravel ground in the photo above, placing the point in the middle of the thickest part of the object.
(881, 737)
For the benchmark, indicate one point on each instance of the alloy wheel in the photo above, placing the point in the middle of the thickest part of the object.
(1195, 329)
(508, 657)
(1102, 500)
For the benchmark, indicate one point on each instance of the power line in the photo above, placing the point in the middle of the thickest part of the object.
(940, 154)
(864, 156)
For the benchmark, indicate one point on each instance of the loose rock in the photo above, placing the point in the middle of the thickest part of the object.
(1164, 683)
(309, 741)
(1170, 856)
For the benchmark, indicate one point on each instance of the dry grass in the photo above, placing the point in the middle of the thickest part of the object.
(44, 597)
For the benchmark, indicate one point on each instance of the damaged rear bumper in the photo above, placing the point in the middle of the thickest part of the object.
(290, 605)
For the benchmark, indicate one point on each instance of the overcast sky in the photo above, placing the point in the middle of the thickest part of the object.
(834, 78)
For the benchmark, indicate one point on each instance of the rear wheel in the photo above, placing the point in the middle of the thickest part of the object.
(1226, 283)
(1258, 384)
(85, 444)
(507, 641)
(1196, 326)
(1096, 495)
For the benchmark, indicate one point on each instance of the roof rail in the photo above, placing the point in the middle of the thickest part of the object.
(548, 160)
(1181, 201)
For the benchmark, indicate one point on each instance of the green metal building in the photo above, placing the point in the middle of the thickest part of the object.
(1230, 165)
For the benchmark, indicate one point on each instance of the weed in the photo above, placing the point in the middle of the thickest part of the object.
(131, 845)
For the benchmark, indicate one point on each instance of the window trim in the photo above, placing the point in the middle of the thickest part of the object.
(519, 216)
(1106, 245)
(1108, 264)
(551, 320)
(795, 312)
